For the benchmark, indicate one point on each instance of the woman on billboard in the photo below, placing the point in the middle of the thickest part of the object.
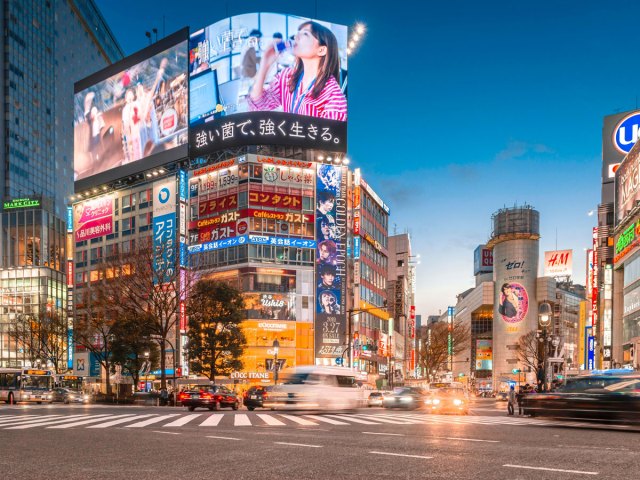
(312, 86)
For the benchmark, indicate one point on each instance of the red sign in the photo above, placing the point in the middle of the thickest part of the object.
(183, 316)
(93, 218)
(70, 273)
(216, 232)
(214, 205)
(277, 200)
(594, 284)
(284, 162)
(214, 168)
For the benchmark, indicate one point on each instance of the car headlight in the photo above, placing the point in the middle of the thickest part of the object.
(428, 401)
(457, 402)
(436, 401)
(49, 397)
(87, 397)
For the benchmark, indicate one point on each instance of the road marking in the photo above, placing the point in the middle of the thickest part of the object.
(168, 433)
(222, 438)
(551, 469)
(28, 418)
(91, 420)
(326, 420)
(354, 419)
(122, 420)
(298, 420)
(49, 422)
(144, 423)
(401, 455)
(299, 444)
(469, 439)
(241, 420)
(182, 421)
(388, 420)
(269, 420)
(381, 433)
(212, 420)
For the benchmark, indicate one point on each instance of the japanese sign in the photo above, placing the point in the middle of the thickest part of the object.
(275, 200)
(230, 107)
(164, 230)
(214, 205)
(135, 113)
(283, 176)
(93, 218)
(331, 235)
(253, 240)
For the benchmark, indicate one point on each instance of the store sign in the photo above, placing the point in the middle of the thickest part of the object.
(208, 207)
(625, 134)
(275, 200)
(273, 326)
(250, 376)
(253, 240)
(627, 241)
(70, 273)
(356, 247)
(281, 176)
(21, 203)
(591, 352)
(482, 260)
(594, 282)
(558, 263)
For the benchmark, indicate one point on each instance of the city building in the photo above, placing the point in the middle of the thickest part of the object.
(41, 62)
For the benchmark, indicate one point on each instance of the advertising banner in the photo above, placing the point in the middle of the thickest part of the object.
(591, 352)
(558, 263)
(133, 114)
(627, 184)
(93, 218)
(247, 83)
(253, 240)
(164, 230)
(484, 355)
(331, 235)
(275, 306)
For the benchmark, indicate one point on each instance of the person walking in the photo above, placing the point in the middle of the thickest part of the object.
(511, 400)
(519, 397)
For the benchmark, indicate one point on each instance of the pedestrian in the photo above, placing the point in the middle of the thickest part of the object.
(519, 397)
(164, 397)
(511, 400)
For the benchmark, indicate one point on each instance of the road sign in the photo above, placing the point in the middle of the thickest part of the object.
(339, 360)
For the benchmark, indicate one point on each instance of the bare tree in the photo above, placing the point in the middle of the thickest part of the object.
(435, 349)
(530, 353)
(43, 337)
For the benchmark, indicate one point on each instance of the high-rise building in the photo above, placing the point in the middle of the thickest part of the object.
(47, 46)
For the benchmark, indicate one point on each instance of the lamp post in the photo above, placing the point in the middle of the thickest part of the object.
(146, 369)
(276, 348)
(544, 320)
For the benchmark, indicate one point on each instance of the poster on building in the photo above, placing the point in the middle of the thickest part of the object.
(514, 302)
(558, 263)
(270, 306)
(484, 355)
(331, 235)
(93, 218)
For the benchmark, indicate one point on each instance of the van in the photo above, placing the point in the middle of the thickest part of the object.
(316, 388)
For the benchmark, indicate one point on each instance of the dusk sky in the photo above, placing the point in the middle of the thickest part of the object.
(460, 108)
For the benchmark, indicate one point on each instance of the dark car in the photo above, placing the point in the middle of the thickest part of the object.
(503, 396)
(602, 397)
(214, 397)
(66, 395)
(255, 396)
(405, 397)
(448, 400)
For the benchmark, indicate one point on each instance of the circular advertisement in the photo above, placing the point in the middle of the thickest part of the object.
(514, 302)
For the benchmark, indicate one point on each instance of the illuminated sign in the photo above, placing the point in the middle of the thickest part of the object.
(69, 273)
(627, 184)
(275, 200)
(591, 352)
(254, 240)
(625, 135)
(21, 203)
(594, 282)
(285, 162)
(250, 375)
(627, 241)
(558, 263)
(356, 247)
(482, 260)
(214, 168)
(93, 218)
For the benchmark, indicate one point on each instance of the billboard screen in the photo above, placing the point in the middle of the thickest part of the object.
(558, 263)
(131, 111)
(619, 134)
(484, 354)
(627, 184)
(268, 78)
(331, 237)
(93, 218)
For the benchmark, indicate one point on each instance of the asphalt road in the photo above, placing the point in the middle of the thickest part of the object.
(155, 443)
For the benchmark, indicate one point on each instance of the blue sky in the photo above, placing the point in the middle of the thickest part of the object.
(460, 108)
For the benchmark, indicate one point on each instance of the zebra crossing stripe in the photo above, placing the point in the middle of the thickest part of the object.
(48, 422)
(182, 421)
(326, 420)
(151, 421)
(382, 419)
(212, 420)
(241, 420)
(25, 418)
(354, 419)
(91, 420)
(121, 420)
(269, 420)
(298, 420)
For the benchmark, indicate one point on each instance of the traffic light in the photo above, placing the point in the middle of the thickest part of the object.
(516, 370)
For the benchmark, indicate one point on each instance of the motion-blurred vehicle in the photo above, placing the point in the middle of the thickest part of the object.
(405, 397)
(600, 397)
(315, 388)
(376, 399)
(213, 397)
(255, 396)
(66, 395)
(448, 400)
(503, 396)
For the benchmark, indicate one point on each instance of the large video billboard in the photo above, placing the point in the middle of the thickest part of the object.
(131, 111)
(627, 184)
(268, 78)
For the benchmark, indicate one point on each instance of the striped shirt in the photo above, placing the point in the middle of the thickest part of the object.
(331, 103)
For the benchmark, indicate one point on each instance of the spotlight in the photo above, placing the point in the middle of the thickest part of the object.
(360, 29)
(155, 173)
(329, 159)
(320, 157)
(356, 37)
(348, 51)
(161, 170)
(346, 161)
(336, 160)
(149, 175)
(352, 44)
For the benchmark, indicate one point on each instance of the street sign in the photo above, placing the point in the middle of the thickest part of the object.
(339, 360)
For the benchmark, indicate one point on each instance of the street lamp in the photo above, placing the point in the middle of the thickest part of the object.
(544, 320)
(276, 348)
(146, 369)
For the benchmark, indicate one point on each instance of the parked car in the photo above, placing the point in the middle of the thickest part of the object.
(66, 395)
(602, 397)
(448, 400)
(213, 397)
(255, 397)
(405, 397)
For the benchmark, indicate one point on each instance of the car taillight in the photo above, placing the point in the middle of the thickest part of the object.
(183, 395)
(207, 395)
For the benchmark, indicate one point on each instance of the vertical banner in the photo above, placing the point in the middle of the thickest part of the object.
(594, 284)
(164, 230)
(412, 336)
(331, 236)
(591, 349)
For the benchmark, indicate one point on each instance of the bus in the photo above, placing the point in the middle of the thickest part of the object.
(26, 385)
(72, 382)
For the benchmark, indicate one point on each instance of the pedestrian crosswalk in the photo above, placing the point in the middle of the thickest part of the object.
(175, 420)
